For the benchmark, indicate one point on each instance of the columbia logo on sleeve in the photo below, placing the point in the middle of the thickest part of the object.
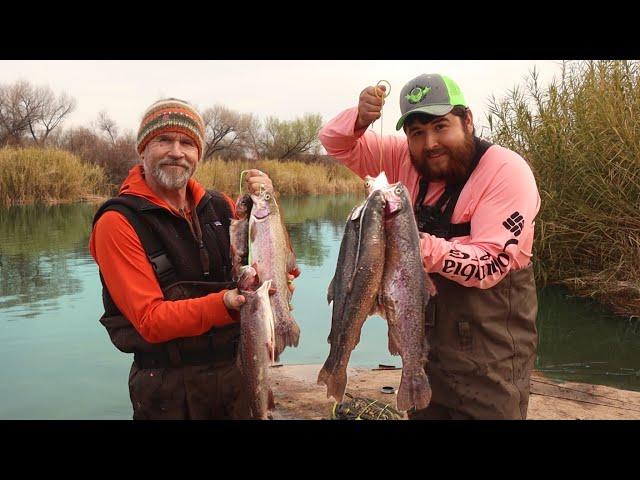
(514, 223)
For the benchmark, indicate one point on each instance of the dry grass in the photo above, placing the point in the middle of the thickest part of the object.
(33, 175)
(581, 136)
(289, 178)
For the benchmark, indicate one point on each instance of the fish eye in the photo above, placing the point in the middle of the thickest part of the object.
(398, 191)
(267, 196)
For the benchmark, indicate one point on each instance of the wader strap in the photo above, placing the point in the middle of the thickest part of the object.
(162, 266)
(431, 219)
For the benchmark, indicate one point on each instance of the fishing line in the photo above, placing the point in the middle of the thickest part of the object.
(382, 95)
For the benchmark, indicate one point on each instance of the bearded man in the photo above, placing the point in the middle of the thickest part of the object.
(475, 204)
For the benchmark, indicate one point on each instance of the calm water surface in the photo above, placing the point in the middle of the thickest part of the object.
(59, 363)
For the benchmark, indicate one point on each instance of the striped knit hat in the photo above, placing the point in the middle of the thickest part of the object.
(170, 115)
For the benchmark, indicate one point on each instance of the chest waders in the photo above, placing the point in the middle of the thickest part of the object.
(482, 341)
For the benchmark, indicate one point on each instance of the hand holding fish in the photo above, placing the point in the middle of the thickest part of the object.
(233, 299)
(257, 181)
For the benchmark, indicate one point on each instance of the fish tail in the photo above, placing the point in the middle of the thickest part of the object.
(414, 391)
(336, 382)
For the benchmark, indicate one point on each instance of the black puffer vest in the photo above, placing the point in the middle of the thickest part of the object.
(186, 267)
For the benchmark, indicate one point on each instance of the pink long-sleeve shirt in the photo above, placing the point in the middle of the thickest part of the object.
(500, 199)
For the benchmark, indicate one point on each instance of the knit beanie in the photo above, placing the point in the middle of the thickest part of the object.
(170, 115)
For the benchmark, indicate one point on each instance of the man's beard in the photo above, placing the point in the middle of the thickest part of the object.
(170, 178)
(460, 158)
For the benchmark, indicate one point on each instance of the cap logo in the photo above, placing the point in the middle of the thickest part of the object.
(417, 94)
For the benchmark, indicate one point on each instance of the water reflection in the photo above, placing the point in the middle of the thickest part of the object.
(580, 341)
(63, 365)
(36, 246)
(310, 218)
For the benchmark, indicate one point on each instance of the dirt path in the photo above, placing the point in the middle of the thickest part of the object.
(298, 397)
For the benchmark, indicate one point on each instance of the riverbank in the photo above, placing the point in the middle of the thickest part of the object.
(46, 176)
(298, 397)
(50, 177)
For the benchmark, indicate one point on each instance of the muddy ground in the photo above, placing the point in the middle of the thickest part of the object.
(298, 397)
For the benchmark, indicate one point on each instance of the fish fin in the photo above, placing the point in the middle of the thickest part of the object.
(287, 335)
(239, 361)
(425, 351)
(378, 307)
(293, 336)
(272, 403)
(270, 350)
(330, 292)
(414, 390)
(292, 265)
(431, 287)
(394, 340)
(393, 333)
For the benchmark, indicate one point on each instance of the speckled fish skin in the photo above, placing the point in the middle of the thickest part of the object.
(405, 297)
(257, 342)
(273, 258)
(239, 235)
(354, 290)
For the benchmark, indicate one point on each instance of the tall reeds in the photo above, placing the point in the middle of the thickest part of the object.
(289, 178)
(34, 175)
(581, 136)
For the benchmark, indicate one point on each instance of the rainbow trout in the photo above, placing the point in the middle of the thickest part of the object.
(354, 288)
(257, 342)
(239, 235)
(272, 256)
(405, 296)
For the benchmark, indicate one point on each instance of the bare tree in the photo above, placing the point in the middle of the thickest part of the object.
(27, 109)
(255, 139)
(53, 112)
(225, 130)
(19, 105)
(116, 157)
(107, 125)
(288, 139)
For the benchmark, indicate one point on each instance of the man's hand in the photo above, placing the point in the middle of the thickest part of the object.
(370, 106)
(257, 181)
(233, 300)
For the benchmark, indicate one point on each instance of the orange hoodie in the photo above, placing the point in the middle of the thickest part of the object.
(131, 281)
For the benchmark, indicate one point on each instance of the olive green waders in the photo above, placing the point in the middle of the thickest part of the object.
(482, 349)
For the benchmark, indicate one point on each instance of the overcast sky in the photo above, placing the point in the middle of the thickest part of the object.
(285, 89)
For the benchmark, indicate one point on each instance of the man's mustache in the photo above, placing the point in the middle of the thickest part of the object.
(173, 163)
(434, 153)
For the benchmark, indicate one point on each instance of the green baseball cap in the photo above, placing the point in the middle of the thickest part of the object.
(432, 93)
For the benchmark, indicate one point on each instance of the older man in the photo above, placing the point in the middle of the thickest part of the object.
(162, 246)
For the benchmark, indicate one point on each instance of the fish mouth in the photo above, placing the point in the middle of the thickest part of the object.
(392, 208)
(249, 280)
(260, 215)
